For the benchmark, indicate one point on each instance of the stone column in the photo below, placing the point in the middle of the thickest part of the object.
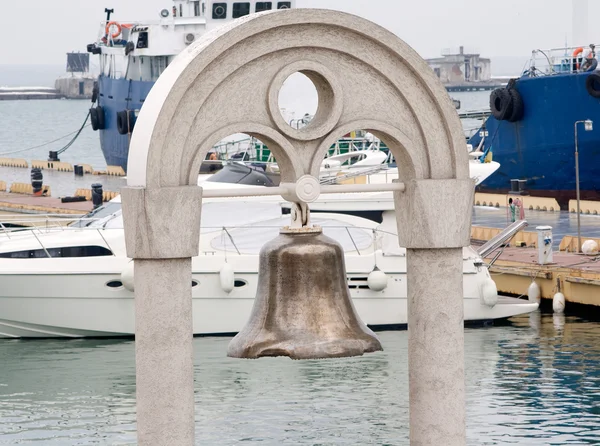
(436, 347)
(434, 223)
(163, 352)
(162, 228)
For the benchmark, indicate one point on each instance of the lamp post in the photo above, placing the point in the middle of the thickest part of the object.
(588, 126)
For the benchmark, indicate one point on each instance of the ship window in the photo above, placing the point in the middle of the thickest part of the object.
(241, 9)
(197, 8)
(263, 6)
(68, 251)
(114, 284)
(219, 11)
(142, 40)
(284, 5)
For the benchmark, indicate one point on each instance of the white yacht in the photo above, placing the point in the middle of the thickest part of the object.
(77, 281)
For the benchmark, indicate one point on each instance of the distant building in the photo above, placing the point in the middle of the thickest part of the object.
(78, 83)
(460, 67)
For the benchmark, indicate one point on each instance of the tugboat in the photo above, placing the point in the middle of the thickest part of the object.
(539, 121)
(133, 56)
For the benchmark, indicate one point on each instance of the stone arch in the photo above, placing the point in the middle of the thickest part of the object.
(232, 67)
(226, 83)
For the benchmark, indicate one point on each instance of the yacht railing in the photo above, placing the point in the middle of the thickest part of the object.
(36, 232)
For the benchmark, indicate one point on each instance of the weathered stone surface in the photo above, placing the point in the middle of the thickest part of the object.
(163, 350)
(162, 223)
(212, 90)
(435, 213)
(436, 347)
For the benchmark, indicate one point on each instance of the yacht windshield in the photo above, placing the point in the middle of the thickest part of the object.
(97, 214)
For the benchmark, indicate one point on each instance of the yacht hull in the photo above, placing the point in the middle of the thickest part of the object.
(82, 305)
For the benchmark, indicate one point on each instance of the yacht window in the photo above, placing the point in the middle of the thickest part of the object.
(197, 8)
(68, 251)
(241, 9)
(284, 5)
(219, 11)
(263, 6)
(142, 40)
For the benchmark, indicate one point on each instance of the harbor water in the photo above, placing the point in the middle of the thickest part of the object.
(535, 381)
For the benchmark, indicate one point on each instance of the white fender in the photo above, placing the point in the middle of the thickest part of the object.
(489, 293)
(127, 278)
(533, 292)
(227, 278)
(558, 303)
(377, 280)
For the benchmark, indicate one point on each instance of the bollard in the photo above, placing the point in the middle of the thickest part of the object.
(97, 195)
(78, 169)
(544, 244)
(37, 180)
(53, 156)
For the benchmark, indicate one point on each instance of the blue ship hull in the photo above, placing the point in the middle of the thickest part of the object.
(540, 148)
(116, 95)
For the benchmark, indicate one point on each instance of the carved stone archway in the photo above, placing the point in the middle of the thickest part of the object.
(228, 82)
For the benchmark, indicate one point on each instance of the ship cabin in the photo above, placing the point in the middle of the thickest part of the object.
(141, 51)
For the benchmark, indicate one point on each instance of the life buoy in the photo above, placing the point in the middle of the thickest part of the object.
(115, 34)
(577, 52)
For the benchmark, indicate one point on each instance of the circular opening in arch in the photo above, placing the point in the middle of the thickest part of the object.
(298, 100)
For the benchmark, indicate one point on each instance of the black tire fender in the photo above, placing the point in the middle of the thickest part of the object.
(101, 121)
(94, 118)
(592, 85)
(501, 104)
(518, 107)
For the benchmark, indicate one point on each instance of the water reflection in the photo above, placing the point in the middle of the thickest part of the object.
(535, 381)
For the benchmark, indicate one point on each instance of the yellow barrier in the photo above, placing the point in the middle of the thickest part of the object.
(52, 165)
(87, 168)
(2, 186)
(569, 242)
(586, 207)
(87, 193)
(115, 171)
(13, 162)
(529, 202)
(484, 234)
(27, 189)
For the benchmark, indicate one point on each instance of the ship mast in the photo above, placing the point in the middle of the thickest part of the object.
(580, 22)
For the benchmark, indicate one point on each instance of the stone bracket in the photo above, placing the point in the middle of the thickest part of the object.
(162, 223)
(435, 214)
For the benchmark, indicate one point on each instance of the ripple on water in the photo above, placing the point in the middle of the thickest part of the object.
(532, 383)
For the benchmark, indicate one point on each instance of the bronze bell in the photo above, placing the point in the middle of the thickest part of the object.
(303, 307)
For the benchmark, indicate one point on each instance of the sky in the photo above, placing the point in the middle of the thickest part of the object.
(50, 28)
(504, 31)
